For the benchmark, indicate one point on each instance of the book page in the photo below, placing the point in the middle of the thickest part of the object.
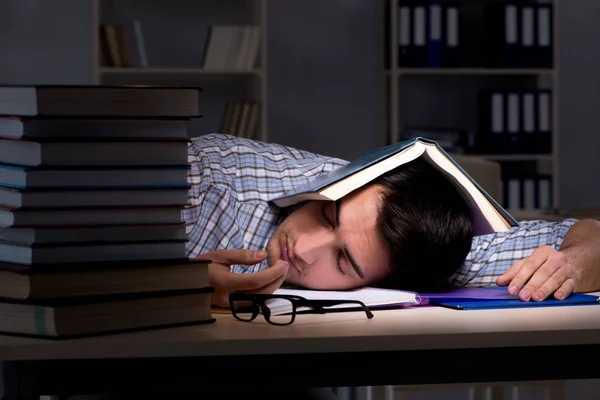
(492, 217)
(370, 296)
(363, 177)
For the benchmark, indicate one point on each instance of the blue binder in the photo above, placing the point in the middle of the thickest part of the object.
(457, 303)
(434, 26)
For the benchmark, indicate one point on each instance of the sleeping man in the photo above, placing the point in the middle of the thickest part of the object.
(409, 229)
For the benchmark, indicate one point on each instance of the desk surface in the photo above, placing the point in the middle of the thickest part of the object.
(428, 328)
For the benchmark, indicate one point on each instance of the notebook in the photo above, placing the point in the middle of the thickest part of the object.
(374, 298)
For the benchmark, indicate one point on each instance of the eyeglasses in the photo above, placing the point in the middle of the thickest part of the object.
(281, 309)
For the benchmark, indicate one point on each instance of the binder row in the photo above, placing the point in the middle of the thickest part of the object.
(515, 121)
(527, 193)
(428, 34)
(520, 35)
(509, 35)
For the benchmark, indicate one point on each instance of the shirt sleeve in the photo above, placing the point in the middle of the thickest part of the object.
(492, 255)
(231, 182)
(211, 222)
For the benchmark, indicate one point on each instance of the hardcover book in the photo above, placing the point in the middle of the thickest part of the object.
(488, 215)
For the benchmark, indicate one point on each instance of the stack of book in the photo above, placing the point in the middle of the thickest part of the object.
(93, 181)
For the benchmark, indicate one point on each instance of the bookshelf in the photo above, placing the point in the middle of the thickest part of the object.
(472, 71)
(447, 96)
(176, 39)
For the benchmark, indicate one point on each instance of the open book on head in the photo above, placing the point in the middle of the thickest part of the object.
(488, 215)
(372, 297)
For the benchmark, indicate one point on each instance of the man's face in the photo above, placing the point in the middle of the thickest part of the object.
(333, 245)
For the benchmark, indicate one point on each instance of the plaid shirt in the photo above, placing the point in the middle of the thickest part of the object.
(232, 180)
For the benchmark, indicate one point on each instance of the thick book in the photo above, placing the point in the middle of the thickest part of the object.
(36, 235)
(104, 101)
(90, 252)
(372, 297)
(92, 127)
(90, 217)
(63, 318)
(13, 198)
(55, 280)
(104, 153)
(151, 177)
(488, 215)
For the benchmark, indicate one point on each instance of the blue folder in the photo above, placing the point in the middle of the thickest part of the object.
(457, 303)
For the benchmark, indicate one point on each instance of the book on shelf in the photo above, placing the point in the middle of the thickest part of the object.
(514, 120)
(241, 119)
(478, 34)
(529, 192)
(518, 34)
(488, 216)
(372, 297)
(79, 279)
(62, 318)
(429, 34)
(123, 44)
(100, 101)
(230, 47)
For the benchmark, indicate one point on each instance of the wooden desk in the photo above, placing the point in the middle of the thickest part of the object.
(411, 346)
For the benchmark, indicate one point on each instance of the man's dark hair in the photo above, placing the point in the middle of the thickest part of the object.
(426, 223)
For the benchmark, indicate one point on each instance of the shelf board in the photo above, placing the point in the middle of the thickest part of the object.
(473, 71)
(511, 157)
(524, 215)
(176, 71)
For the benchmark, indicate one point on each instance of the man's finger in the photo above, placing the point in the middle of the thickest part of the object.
(510, 273)
(247, 282)
(235, 256)
(549, 270)
(268, 289)
(566, 289)
(531, 265)
(551, 284)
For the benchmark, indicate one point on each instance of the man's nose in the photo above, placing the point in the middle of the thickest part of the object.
(310, 246)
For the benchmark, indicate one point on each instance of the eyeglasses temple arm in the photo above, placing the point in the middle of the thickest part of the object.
(326, 303)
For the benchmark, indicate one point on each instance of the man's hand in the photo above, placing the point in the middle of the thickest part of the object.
(225, 282)
(545, 272)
